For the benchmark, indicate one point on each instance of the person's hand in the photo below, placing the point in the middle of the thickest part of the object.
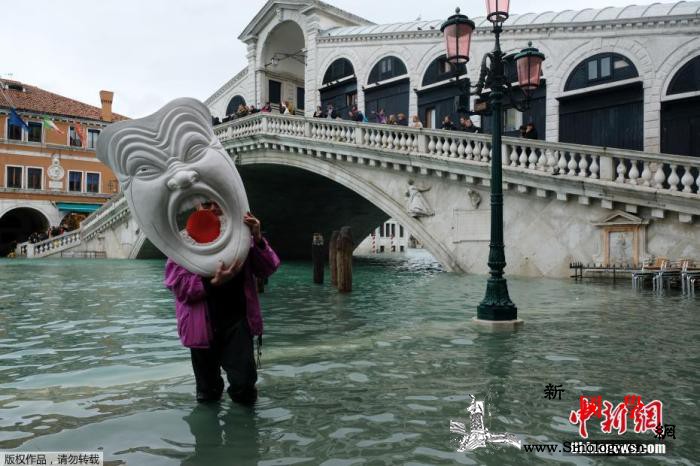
(254, 225)
(225, 274)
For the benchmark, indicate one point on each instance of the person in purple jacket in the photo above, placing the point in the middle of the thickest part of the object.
(218, 317)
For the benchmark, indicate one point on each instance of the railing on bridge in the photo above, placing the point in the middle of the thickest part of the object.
(640, 174)
(635, 170)
(49, 246)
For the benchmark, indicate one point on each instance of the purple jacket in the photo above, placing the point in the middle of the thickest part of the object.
(193, 324)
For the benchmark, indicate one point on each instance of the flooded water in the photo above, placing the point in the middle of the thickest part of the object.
(90, 360)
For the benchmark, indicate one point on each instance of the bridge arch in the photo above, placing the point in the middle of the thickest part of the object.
(366, 189)
(16, 224)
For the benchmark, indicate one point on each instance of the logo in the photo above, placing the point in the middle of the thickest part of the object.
(478, 436)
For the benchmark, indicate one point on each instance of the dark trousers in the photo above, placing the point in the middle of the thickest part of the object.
(232, 350)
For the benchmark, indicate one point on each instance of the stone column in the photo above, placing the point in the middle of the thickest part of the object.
(311, 96)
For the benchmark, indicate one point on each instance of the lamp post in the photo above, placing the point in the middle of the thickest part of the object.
(496, 306)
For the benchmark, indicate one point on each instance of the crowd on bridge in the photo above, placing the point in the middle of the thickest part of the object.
(465, 124)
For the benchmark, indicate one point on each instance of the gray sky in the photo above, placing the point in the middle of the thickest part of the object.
(151, 51)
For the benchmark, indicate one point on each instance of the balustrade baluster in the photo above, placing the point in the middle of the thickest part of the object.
(542, 161)
(595, 168)
(621, 171)
(583, 165)
(533, 159)
(469, 150)
(646, 175)
(485, 152)
(523, 156)
(573, 164)
(659, 177)
(673, 179)
(514, 156)
(634, 173)
(687, 180)
(453, 149)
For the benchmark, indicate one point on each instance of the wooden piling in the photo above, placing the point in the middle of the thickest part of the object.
(344, 247)
(332, 256)
(317, 257)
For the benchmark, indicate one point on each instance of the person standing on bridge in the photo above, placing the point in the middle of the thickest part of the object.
(219, 316)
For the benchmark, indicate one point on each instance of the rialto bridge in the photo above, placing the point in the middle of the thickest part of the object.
(563, 202)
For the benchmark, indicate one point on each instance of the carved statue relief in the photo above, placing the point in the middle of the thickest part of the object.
(417, 205)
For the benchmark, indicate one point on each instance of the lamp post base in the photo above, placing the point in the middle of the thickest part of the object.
(497, 305)
(498, 325)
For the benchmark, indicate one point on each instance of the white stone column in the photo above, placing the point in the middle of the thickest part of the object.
(311, 95)
(652, 115)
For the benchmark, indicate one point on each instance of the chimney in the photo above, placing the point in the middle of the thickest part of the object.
(106, 99)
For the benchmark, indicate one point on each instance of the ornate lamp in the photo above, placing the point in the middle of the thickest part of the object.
(458, 31)
(497, 10)
(529, 65)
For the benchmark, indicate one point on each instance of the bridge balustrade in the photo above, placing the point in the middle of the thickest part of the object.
(645, 172)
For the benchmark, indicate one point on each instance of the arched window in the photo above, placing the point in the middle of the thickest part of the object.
(600, 69)
(687, 79)
(233, 104)
(441, 70)
(339, 69)
(387, 68)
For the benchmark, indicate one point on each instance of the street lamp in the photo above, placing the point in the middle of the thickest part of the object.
(457, 30)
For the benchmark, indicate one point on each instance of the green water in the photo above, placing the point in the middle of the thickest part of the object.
(90, 360)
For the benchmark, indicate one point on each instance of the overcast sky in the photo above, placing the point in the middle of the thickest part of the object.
(151, 51)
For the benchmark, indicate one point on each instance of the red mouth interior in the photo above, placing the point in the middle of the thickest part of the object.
(203, 226)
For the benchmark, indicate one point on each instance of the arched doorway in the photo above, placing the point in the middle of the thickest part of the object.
(233, 104)
(612, 114)
(535, 113)
(284, 64)
(680, 112)
(387, 88)
(439, 93)
(339, 87)
(17, 224)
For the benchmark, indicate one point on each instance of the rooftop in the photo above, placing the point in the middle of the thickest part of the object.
(588, 15)
(27, 98)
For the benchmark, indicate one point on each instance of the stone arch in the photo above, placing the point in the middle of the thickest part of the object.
(369, 191)
(435, 52)
(629, 48)
(400, 52)
(233, 104)
(675, 61)
(348, 54)
(17, 223)
(293, 17)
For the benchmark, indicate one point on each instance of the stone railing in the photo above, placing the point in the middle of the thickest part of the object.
(110, 213)
(624, 176)
(49, 246)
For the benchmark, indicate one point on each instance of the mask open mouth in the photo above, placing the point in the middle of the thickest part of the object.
(200, 220)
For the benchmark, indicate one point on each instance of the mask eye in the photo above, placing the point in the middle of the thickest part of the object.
(195, 151)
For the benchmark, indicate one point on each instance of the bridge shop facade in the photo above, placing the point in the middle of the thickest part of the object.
(625, 77)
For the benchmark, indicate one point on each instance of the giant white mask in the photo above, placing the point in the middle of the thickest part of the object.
(169, 163)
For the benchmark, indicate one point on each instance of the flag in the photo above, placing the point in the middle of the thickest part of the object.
(80, 133)
(48, 124)
(17, 120)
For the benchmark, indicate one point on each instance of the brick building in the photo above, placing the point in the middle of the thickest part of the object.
(49, 175)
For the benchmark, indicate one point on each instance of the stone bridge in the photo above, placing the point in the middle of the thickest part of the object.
(563, 202)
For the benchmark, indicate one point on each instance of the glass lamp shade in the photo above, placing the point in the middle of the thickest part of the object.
(529, 65)
(457, 31)
(497, 10)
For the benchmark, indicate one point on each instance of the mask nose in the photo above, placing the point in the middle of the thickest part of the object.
(182, 179)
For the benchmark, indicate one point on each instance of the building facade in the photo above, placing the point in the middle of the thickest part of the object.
(49, 172)
(625, 77)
